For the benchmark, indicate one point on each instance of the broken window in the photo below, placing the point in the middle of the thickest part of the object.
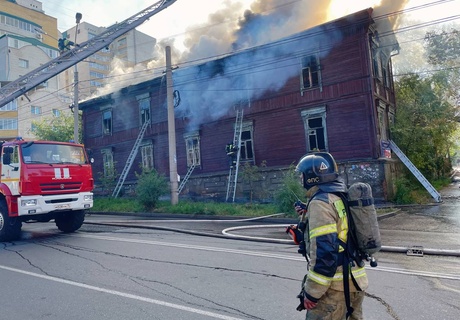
(107, 122)
(310, 76)
(247, 146)
(315, 129)
(144, 108)
(192, 144)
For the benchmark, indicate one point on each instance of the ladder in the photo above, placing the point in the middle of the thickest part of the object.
(184, 181)
(130, 160)
(52, 68)
(233, 173)
(435, 194)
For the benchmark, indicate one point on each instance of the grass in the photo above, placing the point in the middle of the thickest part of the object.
(184, 207)
(128, 205)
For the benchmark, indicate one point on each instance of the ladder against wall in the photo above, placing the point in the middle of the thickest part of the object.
(233, 173)
(130, 160)
(426, 184)
(184, 181)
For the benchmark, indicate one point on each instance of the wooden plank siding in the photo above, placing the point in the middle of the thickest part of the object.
(347, 91)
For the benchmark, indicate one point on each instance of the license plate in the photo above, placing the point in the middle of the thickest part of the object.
(62, 206)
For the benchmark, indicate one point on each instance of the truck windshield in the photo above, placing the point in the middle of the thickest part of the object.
(52, 153)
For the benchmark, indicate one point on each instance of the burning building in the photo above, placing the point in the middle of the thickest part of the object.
(327, 88)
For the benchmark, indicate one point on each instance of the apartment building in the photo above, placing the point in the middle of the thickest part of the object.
(27, 40)
(131, 49)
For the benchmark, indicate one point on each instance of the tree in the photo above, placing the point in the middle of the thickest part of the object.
(60, 128)
(425, 123)
(443, 51)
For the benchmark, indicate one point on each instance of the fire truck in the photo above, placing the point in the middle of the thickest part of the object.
(41, 181)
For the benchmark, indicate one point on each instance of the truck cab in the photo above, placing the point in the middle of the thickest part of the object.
(41, 181)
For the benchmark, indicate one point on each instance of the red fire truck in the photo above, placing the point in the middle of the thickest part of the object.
(41, 181)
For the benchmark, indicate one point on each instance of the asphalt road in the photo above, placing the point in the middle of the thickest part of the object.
(119, 267)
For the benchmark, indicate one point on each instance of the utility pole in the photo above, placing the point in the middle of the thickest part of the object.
(171, 130)
(78, 17)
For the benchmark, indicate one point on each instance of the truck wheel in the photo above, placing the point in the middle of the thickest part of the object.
(70, 221)
(10, 227)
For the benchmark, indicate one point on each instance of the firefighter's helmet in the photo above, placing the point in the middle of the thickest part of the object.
(317, 168)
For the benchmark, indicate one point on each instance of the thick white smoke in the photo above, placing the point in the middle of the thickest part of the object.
(210, 86)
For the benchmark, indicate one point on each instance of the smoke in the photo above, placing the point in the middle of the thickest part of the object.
(218, 69)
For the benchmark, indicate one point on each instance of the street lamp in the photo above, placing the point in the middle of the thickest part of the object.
(78, 17)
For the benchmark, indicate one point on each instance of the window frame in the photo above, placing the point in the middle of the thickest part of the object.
(193, 149)
(310, 64)
(107, 123)
(247, 145)
(108, 163)
(145, 114)
(315, 113)
(148, 162)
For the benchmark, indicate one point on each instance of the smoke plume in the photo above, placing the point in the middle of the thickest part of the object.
(210, 86)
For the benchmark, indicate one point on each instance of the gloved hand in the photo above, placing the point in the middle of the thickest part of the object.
(305, 303)
(300, 207)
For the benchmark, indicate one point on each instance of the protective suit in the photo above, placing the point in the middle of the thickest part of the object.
(323, 292)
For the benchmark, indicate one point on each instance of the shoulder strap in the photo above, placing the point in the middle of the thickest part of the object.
(349, 256)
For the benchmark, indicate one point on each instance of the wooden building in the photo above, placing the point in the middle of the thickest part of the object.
(327, 88)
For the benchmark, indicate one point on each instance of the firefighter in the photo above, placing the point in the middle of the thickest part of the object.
(323, 292)
(231, 151)
(64, 44)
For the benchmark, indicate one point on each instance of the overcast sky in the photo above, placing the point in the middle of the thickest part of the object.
(184, 14)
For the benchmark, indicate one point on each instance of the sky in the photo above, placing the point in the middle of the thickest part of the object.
(188, 14)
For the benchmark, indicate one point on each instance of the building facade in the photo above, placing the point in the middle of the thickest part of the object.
(328, 88)
(28, 39)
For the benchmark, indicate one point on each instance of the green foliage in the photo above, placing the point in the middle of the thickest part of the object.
(424, 124)
(290, 191)
(251, 175)
(150, 187)
(108, 178)
(410, 191)
(129, 205)
(60, 128)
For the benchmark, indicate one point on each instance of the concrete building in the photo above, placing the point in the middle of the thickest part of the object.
(131, 49)
(28, 39)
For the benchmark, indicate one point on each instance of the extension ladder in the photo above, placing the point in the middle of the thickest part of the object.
(130, 160)
(435, 194)
(184, 181)
(233, 173)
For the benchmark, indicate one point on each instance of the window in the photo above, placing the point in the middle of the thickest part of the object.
(10, 106)
(35, 110)
(56, 112)
(8, 124)
(315, 129)
(247, 146)
(107, 122)
(310, 77)
(144, 108)
(24, 63)
(147, 155)
(192, 145)
(382, 116)
(107, 160)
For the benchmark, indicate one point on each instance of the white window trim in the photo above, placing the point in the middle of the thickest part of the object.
(310, 113)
